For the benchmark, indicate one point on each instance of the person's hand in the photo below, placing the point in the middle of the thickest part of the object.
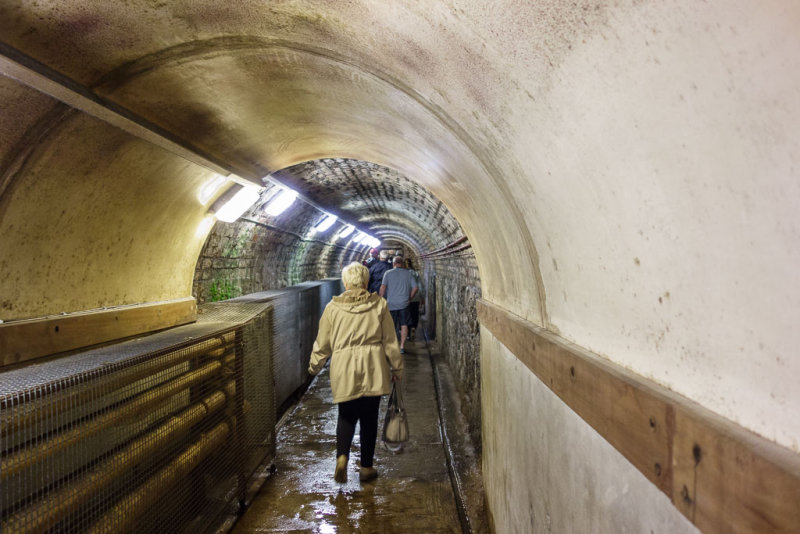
(395, 378)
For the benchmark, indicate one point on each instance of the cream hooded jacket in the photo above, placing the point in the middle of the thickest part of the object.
(356, 331)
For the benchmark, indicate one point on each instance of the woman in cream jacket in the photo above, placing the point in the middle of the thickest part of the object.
(357, 332)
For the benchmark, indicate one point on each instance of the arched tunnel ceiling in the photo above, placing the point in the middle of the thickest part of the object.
(626, 172)
(261, 250)
(376, 197)
(274, 89)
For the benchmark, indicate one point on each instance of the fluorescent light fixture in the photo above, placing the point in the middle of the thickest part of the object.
(280, 202)
(210, 188)
(373, 242)
(325, 223)
(241, 201)
(346, 231)
(359, 237)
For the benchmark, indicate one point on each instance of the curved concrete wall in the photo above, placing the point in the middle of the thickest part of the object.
(627, 172)
(96, 218)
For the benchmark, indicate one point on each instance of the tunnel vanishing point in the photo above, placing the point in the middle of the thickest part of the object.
(603, 198)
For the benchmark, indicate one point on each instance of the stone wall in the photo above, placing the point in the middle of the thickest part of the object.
(260, 252)
(457, 286)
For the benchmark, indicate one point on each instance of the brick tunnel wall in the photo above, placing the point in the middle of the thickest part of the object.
(244, 258)
(258, 253)
(457, 287)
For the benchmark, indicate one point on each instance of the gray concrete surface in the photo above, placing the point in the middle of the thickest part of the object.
(413, 491)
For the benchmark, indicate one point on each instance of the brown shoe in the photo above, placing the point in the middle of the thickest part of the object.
(367, 473)
(340, 475)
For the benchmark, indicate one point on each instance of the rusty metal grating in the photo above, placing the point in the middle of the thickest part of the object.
(159, 434)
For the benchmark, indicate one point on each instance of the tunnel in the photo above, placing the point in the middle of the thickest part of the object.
(601, 198)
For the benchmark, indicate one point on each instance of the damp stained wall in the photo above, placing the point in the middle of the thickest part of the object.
(626, 171)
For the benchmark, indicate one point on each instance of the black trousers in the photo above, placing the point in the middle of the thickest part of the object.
(413, 307)
(365, 411)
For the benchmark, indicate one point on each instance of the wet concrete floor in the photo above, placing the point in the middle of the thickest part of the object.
(413, 491)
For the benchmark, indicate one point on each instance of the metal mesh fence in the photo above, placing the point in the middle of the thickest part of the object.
(296, 320)
(159, 434)
(258, 373)
(89, 441)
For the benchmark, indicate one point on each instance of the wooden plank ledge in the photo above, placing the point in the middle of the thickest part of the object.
(25, 340)
(721, 476)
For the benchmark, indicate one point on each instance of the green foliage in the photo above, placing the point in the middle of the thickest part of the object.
(222, 290)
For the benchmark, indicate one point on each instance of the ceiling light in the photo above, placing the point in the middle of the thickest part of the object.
(280, 202)
(360, 237)
(346, 231)
(241, 201)
(210, 188)
(325, 223)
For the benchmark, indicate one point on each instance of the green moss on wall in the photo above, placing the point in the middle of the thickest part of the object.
(223, 290)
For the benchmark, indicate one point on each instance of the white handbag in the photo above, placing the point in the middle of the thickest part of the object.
(395, 424)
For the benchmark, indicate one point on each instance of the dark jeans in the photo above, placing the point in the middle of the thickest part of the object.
(413, 307)
(365, 411)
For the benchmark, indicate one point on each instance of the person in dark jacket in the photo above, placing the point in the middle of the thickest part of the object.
(414, 303)
(373, 257)
(376, 272)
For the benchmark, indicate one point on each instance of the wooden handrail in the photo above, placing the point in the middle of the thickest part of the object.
(28, 339)
(721, 476)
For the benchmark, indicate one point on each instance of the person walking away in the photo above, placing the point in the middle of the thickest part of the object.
(356, 332)
(416, 301)
(399, 288)
(376, 272)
